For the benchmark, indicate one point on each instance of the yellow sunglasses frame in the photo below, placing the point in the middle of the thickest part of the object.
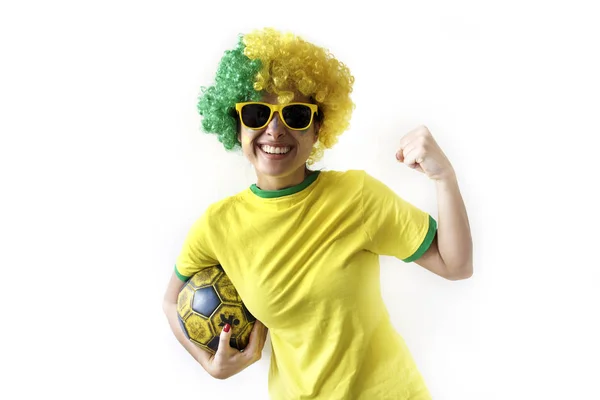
(277, 108)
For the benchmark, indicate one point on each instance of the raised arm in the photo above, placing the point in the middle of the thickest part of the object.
(451, 253)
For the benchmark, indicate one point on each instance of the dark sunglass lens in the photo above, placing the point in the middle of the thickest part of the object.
(255, 115)
(297, 116)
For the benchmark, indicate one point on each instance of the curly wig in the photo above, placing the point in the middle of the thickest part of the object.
(269, 61)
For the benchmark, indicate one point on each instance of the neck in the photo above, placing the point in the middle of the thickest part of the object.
(266, 182)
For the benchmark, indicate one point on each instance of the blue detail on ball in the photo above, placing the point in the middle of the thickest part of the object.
(205, 301)
(183, 328)
(214, 343)
(249, 315)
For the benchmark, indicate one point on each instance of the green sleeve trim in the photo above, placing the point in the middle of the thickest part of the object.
(426, 242)
(270, 194)
(182, 277)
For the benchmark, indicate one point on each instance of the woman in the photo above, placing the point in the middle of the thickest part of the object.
(302, 247)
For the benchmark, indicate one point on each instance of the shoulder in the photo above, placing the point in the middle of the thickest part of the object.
(341, 187)
(217, 211)
(352, 176)
(224, 205)
(355, 180)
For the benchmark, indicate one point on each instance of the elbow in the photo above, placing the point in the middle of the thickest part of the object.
(460, 273)
(219, 374)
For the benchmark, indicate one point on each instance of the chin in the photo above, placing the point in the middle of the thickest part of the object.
(275, 171)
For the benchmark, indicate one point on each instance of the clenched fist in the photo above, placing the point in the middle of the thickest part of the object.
(420, 151)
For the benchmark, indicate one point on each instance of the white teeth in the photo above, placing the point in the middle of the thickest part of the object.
(274, 150)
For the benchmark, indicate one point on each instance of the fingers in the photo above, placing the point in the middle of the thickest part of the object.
(400, 155)
(228, 361)
(254, 338)
(419, 131)
(418, 135)
(405, 140)
(406, 145)
(413, 156)
(262, 334)
(413, 147)
(224, 338)
(257, 340)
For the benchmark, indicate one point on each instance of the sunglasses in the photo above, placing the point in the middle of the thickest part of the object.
(296, 116)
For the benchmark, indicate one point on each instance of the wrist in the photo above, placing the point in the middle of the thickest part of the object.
(447, 180)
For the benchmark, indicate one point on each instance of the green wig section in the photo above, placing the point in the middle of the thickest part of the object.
(234, 82)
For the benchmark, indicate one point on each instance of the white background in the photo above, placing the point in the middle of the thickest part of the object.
(103, 169)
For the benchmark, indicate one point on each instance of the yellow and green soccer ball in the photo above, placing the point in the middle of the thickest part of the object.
(206, 303)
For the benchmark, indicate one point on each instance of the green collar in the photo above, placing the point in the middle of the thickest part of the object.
(270, 194)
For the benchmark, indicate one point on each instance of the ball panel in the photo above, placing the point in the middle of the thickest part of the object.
(228, 314)
(214, 344)
(184, 301)
(183, 328)
(226, 290)
(249, 316)
(206, 276)
(205, 301)
(234, 316)
(199, 329)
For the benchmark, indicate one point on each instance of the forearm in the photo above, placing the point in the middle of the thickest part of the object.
(454, 233)
(170, 310)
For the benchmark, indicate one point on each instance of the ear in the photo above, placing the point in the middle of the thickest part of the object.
(317, 128)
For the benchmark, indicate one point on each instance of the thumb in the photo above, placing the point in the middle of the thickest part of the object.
(400, 155)
(224, 338)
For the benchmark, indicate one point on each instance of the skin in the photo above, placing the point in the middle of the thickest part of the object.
(451, 253)
(276, 174)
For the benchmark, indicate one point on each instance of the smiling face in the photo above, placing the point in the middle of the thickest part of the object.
(278, 154)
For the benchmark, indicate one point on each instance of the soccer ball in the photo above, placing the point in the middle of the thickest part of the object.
(206, 303)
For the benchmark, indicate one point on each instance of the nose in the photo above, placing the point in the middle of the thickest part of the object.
(275, 127)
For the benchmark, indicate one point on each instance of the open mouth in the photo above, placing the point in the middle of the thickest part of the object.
(275, 152)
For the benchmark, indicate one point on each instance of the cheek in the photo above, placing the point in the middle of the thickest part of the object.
(307, 142)
(307, 135)
(247, 138)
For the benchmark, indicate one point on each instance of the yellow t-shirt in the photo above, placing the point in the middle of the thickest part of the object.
(305, 261)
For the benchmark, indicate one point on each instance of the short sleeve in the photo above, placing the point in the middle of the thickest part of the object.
(197, 252)
(393, 226)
